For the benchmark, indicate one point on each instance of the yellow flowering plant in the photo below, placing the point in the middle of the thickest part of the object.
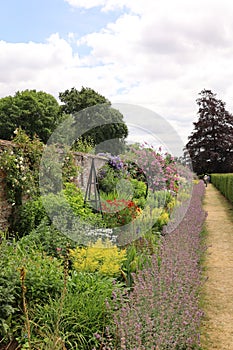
(103, 257)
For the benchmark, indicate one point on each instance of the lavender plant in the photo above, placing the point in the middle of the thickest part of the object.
(162, 311)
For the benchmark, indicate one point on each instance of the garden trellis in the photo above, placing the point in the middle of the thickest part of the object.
(92, 195)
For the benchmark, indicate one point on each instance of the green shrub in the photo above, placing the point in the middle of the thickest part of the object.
(85, 145)
(70, 200)
(139, 192)
(79, 318)
(224, 183)
(70, 203)
(64, 208)
(46, 238)
(9, 289)
(29, 216)
(108, 178)
(138, 255)
(71, 217)
(102, 257)
(44, 280)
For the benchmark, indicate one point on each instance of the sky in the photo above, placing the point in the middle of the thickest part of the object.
(157, 54)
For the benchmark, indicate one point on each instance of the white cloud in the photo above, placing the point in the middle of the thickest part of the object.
(106, 5)
(166, 52)
(159, 54)
(52, 67)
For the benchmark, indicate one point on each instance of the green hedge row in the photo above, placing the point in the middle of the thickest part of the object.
(224, 183)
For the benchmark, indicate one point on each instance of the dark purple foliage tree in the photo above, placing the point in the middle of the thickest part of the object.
(211, 143)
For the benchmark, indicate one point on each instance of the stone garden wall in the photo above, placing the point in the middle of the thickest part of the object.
(5, 207)
(83, 161)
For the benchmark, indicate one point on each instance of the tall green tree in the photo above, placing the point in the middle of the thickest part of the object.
(111, 131)
(211, 143)
(36, 112)
(75, 101)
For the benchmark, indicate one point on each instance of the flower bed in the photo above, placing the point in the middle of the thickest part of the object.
(80, 295)
(162, 311)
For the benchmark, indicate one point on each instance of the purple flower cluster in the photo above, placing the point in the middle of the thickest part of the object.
(162, 311)
(116, 163)
(102, 173)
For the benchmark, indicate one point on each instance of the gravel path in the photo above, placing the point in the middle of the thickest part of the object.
(218, 290)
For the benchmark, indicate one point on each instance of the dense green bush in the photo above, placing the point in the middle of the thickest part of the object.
(46, 238)
(65, 206)
(65, 309)
(108, 178)
(29, 216)
(224, 183)
(70, 201)
(76, 319)
(139, 192)
(44, 280)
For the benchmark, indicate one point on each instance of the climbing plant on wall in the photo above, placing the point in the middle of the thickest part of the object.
(21, 165)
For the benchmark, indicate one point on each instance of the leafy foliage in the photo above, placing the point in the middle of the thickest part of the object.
(102, 257)
(44, 280)
(71, 215)
(36, 112)
(29, 216)
(47, 239)
(74, 100)
(21, 167)
(111, 175)
(210, 144)
(111, 124)
(85, 145)
(74, 322)
(65, 308)
(224, 183)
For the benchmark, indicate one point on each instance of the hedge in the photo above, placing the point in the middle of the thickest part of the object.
(224, 183)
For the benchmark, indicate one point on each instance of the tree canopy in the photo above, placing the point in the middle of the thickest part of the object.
(36, 112)
(211, 143)
(111, 133)
(75, 101)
